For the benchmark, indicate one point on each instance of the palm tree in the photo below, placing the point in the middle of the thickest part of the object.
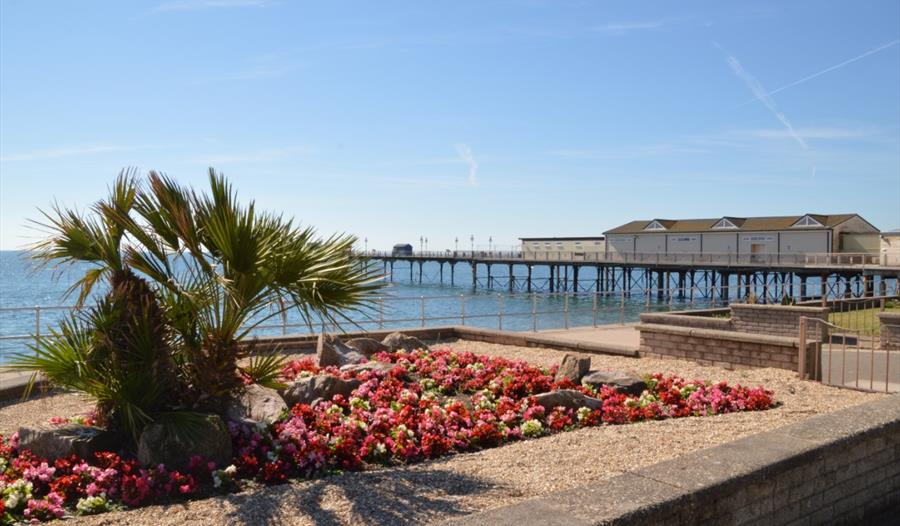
(190, 275)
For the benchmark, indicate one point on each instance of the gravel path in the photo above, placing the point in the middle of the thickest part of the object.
(473, 482)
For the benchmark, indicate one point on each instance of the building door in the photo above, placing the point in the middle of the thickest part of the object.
(756, 251)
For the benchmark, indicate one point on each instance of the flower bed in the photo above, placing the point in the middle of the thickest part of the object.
(431, 403)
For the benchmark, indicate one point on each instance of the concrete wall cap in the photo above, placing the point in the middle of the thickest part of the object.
(781, 308)
(783, 341)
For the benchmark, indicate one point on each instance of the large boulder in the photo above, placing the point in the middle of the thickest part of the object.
(208, 438)
(397, 341)
(330, 350)
(257, 403)
(321, 387)
(568, 398)
(573, 368)
(622, 382)
(367, 346)
(58, 441)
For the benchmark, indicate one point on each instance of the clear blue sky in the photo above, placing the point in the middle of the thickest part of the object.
(395, 120)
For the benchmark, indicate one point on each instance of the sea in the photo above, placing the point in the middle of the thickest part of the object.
(33, 300)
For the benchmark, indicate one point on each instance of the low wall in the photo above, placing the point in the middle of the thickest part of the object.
(776, 320)
(726, 349)
(838, 468)
(680, 320)
(890, 329)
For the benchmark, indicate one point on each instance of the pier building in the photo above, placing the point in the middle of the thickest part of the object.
(548, 247)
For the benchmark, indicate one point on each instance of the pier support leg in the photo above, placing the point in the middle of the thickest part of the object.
(512, 279)
(823, 285)
(452, 274)
(575, 278)
(552, 270)
(442, 273)
(565, 283)
(868, 286)
(692, 286)
(392, 271)
(420, 272)
(681, 285)
(474, 275)
(597, 284)
(528, 279)
(659, 285)
(490, 283)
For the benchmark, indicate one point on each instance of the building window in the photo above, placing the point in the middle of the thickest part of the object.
(724, 223)
(654, 225)
(807, 221)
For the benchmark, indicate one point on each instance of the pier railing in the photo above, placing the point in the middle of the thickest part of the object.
(859, 261)
(511, 311)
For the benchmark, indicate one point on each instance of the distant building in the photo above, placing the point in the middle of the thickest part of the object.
(572, 247)
(402, 249)
(890, 247)
(803, 234)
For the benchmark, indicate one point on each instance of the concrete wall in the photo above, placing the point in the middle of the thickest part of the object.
(697, 322)
(567, 246)
(724, 243)
(806, 242)
(890, 250)
(837, 468)
(650, 244)
(768, 241)
(777, 320)
(890, 329)
(620, 244)
(721, 348)
(684, 243)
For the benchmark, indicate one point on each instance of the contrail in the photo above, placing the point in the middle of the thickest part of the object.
(827, 70)
(760, 93)
(465, 153)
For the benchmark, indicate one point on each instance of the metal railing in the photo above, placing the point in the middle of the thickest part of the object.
(512, 311)
(846, 358)
(808, 260)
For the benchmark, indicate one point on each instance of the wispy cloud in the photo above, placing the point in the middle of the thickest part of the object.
(197, 5)
(465, 153)
(67, 151)
(760, 93)
(622, 28)
(828, 69)
(809, 133)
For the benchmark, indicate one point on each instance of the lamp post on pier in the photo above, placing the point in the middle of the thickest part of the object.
(366, 241)
(456, 244)
(472, 240)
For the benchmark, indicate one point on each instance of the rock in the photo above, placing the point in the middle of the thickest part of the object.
(399, 341)
(208, 438)
(568, 398)
(367, 346)
(330, 350)
(57, 441)
(573, 368)
(464, 399)
(621, 381)
(369, 366)
(323, 386)
(257, 403)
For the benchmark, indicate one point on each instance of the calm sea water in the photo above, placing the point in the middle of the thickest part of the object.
(23, 287)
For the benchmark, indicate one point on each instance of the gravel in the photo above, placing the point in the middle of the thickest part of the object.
(471, 482)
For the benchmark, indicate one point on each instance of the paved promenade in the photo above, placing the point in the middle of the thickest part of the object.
(624, 337)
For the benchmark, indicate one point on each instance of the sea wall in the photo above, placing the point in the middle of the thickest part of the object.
(837, 468)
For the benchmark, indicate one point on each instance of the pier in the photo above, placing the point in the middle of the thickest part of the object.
(770, 277)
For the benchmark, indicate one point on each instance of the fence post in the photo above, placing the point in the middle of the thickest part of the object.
(534, 312)
(462, 309)
(622, 309)
(381, 313)
(37, 321)
(594, 310)
(422, 310)
(566, 309)
(801, 359)
(499, 311)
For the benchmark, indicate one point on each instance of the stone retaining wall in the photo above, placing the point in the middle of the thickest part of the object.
(838, 468)
(680, 320)
(726, 349)
(776, 320)
(890, 329)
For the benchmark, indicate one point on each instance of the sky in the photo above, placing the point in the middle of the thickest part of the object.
(397, 121)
